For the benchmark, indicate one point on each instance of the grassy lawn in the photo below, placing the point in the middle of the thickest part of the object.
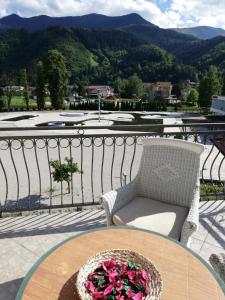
(18, 103)
(184, 108)
(212, 191)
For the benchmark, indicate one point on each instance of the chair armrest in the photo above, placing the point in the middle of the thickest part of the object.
(192, 221)
(114, 200)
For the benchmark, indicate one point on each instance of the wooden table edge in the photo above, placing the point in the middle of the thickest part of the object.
(50, 251)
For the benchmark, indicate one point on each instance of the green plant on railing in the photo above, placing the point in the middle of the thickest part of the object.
(64, 171)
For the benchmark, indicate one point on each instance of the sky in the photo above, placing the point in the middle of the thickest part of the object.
(164, 13)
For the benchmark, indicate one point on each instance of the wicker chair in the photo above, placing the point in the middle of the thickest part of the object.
(164, 196)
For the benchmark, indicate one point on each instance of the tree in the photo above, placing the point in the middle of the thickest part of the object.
(57, 77)
(81, 88)
(24, 83)
(202, 92)
(2, 102)
(40, 85)
(223, 86)
(209, 85)
(193, 96)
(120, 86)
(64, 171)
(134, 87)
(176, 90)
(7, 82)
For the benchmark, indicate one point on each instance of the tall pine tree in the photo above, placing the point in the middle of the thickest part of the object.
(40, 85)
(57, 77)
(223, 86)
(24, 83)
(209, 85)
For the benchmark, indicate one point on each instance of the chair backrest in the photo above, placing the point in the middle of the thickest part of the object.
(169, 170)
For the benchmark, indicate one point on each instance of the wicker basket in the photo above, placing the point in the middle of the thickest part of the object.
(122, 256)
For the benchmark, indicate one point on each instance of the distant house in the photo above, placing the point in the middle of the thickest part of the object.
(111, 98)
(158, 89)
(94, 91)
(172, 99)
(17, 89)
(218, 105)
(186, 86)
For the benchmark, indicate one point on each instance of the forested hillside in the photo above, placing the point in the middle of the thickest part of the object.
(100, 56)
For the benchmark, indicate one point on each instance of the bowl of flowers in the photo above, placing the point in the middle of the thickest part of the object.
(119, 275)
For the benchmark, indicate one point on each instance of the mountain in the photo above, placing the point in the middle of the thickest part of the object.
(202, 32)
(95, 21)
(132, 23)
(164, 38)
(99, 49)
(215, 56)
(97, 56)
(192, 52)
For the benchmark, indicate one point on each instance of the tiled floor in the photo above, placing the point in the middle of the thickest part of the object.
(24, 239)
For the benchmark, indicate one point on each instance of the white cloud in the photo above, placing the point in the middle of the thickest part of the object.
(200, 12)
(173, 13)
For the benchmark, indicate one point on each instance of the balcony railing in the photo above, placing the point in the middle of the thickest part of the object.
(108, 158)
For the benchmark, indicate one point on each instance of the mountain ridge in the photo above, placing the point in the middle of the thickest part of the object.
(202, 32)
(94, 21)
(115, 49)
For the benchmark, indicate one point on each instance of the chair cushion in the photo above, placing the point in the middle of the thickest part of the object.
(158, 216)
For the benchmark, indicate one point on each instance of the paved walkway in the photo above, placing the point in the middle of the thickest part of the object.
(24, 239)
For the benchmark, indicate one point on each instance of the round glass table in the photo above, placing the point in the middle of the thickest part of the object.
(185, 275)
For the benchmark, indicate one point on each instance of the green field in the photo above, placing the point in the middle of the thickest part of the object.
(18, 103)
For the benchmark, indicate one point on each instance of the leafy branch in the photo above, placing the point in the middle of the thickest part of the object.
(64, 171)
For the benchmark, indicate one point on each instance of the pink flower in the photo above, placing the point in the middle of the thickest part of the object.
(119, 285)
(124, 269)
(107, 265)
(89, 286)
(144, 275)
(112, 273)
(98, 296)
(131, 275)
(108, 290)
(138, 296)
(117, 280)
(130, 293)
(91, 276)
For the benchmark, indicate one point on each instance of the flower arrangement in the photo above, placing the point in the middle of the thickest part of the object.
(118, 281)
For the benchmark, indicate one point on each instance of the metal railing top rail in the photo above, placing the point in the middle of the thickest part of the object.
(108, 134)
(113, 127)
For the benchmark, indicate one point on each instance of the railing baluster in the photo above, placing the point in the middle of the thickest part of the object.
(219, 169)
(121, 168)
(28, 174)
(71, 156)
(6, 185)
(38, 167)
(103, 159)
(113, 157)
(60, 161)
(50, 173)
(16, 173)
(204, 164)
(92, 168)
(133, 156)
(81, 168)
